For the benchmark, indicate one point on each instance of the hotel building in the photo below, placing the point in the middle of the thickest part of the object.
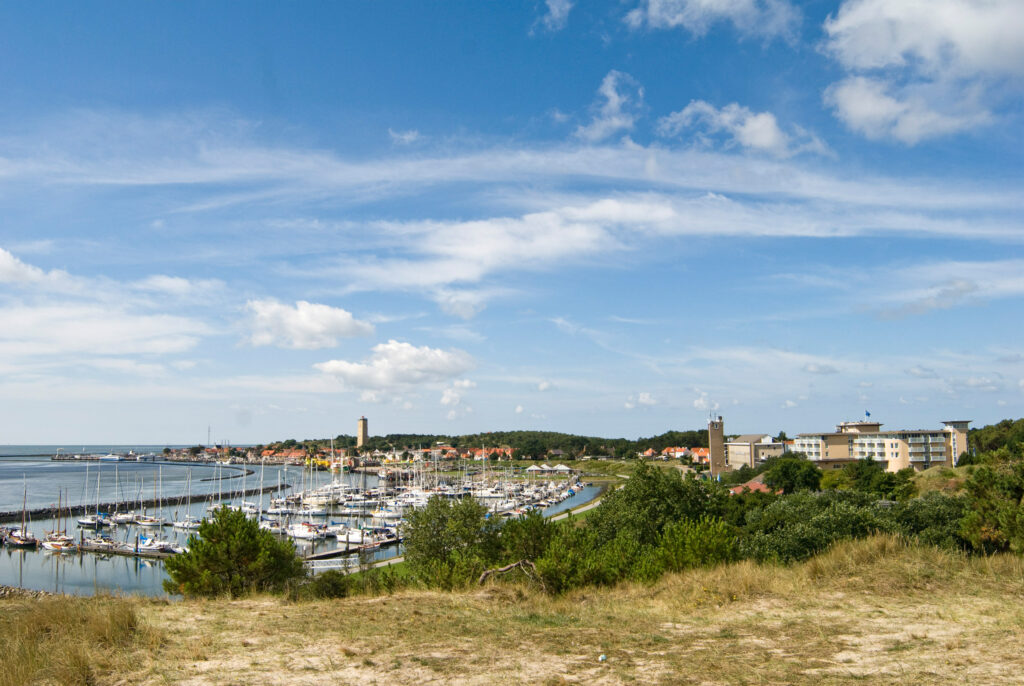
(917, 448)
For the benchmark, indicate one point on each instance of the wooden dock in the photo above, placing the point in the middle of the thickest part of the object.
(126, 551)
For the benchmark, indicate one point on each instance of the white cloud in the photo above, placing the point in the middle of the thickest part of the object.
(543, 386)
(936, 67)
(866, 106)
(55, 329)
(395, 365)
(980, 383)
(766, 18)
(621, 100)
(645, 398)
(815, 368)
(519, 408)
(404, 137)
(14, 271)
(453, 395)
(916, 290)
(922, 372)
(966, 37)
(753, 130)
(703, 402)
(789, 404)
(176, 285)
(127, 366)
(462, 303)
(306, 326)
(557, 16)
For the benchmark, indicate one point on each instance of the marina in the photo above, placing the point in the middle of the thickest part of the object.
(110, 524)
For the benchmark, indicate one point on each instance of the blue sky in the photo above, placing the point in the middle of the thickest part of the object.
(603, 218)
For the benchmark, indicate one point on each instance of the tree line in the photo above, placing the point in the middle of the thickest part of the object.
(525, 444)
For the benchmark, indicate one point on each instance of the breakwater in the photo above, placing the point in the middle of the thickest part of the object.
(124, 506)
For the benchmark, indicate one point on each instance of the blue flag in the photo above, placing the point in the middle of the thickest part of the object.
(866, 413)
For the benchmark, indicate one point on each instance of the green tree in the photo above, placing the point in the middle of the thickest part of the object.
(994, 520)
(650, 499)
(446, 544)
(792, 474)
(231, 555)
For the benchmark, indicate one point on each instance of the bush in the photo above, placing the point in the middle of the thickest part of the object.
(330, 584)
(702, 543)
(796, 527)
(649, 500)
(995, 520)
(571, 560)
(526, 538)
(448, 545)
(232, 556)
(934, 519)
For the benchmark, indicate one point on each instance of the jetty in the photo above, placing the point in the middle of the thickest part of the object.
(124, 506)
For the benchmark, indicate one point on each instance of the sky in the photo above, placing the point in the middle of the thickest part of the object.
(265, 220)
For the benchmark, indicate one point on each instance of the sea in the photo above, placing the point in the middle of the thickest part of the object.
(30, 479)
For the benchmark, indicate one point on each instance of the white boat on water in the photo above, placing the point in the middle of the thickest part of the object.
(306, 532)
(155, 544)
(123, 517)
(272, 525)
(189, 523)
(59, 543)
(149, 521)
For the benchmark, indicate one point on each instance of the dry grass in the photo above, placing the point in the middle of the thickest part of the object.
(873, 610)
(868, 611)
(943, 479)
(70, 641)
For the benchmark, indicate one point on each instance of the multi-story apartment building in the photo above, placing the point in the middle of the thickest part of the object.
(917, 448)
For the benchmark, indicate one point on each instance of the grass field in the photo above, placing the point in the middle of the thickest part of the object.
(869, 611)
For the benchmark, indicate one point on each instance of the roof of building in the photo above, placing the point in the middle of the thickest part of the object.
(749, 438)
(755, 484)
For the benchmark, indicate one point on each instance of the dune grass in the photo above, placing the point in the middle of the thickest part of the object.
(70, 641)
(877, 610)
(948, 480)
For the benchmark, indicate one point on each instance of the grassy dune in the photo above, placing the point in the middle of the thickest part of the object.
(867, 611)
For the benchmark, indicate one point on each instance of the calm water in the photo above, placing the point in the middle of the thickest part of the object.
(89, 573)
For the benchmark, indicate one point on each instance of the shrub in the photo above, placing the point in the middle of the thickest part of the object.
(995, 520)
(702, 543)
(649, 500)
(934, 519)
(232, 556)
(571, 560)
(795, 527)
(448, 545)
(526, 538)
(330, 584)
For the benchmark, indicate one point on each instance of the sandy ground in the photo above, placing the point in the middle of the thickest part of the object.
(735, 625)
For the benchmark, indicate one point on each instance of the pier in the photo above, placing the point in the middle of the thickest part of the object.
(76, 510)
